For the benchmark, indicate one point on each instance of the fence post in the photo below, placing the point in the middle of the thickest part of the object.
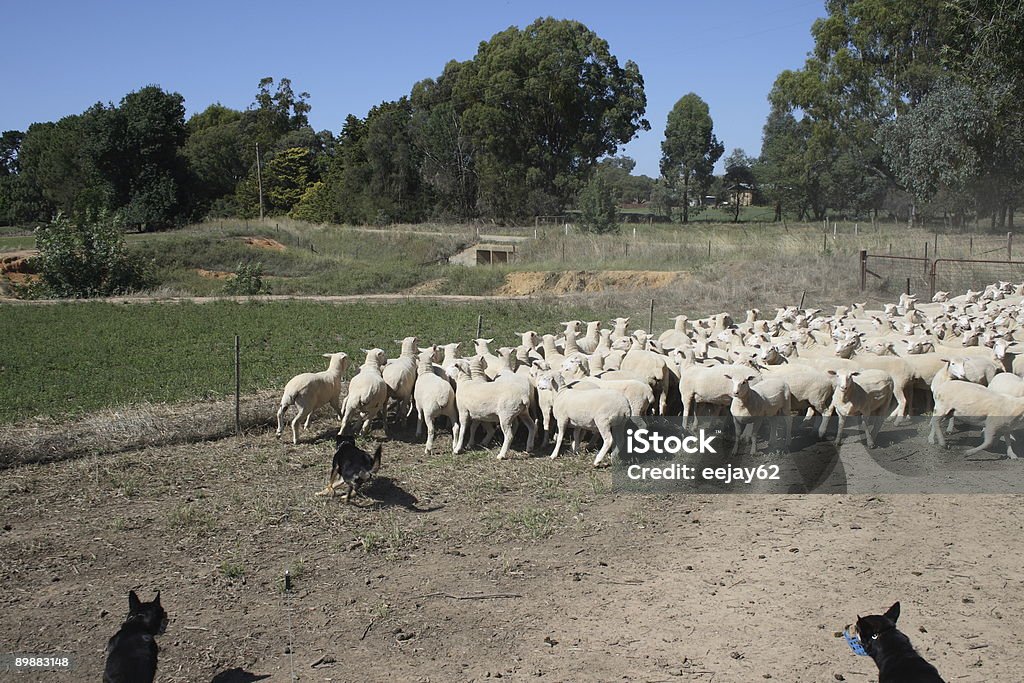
(931, 281)
(238, 387)
(650, 320)
(479, 326)
(1009, 246)
(935, 247)
(709, 249)
(863, 269)
(908, 286)
(971, 252)
(925, 260)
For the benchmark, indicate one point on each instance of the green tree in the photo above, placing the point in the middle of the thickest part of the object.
(86, 258)
(217, 156)
(542, 104)
(781, 169)
(596, 203)
(739, 178)
(690, 148)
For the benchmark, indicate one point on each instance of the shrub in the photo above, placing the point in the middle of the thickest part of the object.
(87, 258)
(598, 212)
(248, 280)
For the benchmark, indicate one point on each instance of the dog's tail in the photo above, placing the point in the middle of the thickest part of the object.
(376, 459)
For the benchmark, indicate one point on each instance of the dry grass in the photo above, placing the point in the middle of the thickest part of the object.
(130, 428)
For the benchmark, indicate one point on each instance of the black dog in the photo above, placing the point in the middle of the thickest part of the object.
(351, 465)
(877, 637)
(131, 653)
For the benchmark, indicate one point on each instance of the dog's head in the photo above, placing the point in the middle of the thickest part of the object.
(862, 635)
(150, 614)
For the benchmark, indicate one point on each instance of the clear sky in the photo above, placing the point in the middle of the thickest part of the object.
(61, 57)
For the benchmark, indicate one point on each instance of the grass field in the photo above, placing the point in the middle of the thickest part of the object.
(68, 359)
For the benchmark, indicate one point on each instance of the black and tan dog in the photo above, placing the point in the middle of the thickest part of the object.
(132, 651)
(877, 637)
(351, 465)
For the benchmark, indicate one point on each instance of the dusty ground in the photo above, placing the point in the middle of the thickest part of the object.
(568, 282)
(264, 243)
(465, 568)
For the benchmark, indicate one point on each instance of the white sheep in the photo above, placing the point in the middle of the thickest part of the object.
(312, 390)
(590, 409)
(810, 390)
(637, 392)
(1003, 415)
(653, 367)
(1007, 384)
(708, 385)
(367, 392)
(434, 397)
(750, 405)
(504, 400)
(400, 377)
(867, 393)
(589, 342)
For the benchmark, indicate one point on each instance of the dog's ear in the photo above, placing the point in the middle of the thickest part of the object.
(893, 613)
(134, 604)
(156, 600)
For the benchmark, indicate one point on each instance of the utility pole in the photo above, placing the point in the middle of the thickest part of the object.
(259, 179)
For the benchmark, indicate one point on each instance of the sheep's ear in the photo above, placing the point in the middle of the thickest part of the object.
(326, 355)
(854, 373)
(727, 376)
(833, 373)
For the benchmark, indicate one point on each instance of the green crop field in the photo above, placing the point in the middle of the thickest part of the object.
(73, 358)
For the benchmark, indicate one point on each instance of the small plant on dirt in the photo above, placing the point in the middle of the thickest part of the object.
(232, 570)
(190, 518)
(248, 280)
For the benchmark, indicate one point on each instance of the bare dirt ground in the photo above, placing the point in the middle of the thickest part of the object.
(570, 282)
(469, 569)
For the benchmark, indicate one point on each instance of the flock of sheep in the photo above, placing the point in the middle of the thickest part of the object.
(956, 353)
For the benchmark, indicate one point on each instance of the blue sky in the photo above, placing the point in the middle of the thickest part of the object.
(61, 57)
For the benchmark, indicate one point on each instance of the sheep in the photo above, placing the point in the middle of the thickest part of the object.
(589, 342)
(312, 390)
(592, 409)
(551, 353)
(1003, 415)
(867, 393)
(653, 367)
(367, 392)
(750, 405)
(433, 397)
(400, 376)
(974, 369)
(678, 335)
(1007, 384)
(490, 360)
(810, 390)
(637, 392)
(620, 328)
(699, 384)
(503, 401)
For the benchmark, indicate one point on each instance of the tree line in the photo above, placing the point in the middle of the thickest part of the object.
(514, 132)
(909, 107)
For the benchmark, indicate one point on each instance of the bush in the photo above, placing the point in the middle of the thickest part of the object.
(87, 258)
(248, 280)
(598, 212)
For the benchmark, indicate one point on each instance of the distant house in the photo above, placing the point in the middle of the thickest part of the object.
(742, 193)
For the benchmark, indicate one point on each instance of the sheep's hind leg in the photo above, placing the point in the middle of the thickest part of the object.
(506, 429)
(280, 418)
(295, 435)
